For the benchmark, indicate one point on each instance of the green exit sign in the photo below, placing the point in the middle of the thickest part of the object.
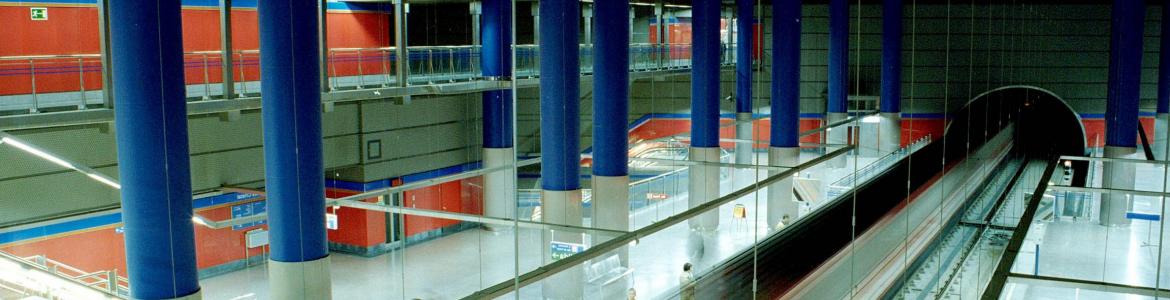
(38, 13)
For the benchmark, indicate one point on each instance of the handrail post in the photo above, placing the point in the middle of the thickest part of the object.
(33, 78)
(384, 56)
(361, 74)
(112, 275)
(206, 79)
(243, 76)
(81, 81)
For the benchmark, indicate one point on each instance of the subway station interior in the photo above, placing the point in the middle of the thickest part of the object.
(593, 149)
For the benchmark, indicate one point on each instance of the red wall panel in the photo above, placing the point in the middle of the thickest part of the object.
(357, 227)
(99, 249)
(219, 246)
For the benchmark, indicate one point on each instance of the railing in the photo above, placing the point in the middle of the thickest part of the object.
(108, 281)
(65, 82)
(865, 173)
(39, 276)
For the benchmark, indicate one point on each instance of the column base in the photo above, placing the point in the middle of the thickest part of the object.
(743, 131)
(890, 137)
(782, 207)
(836, 136)
(1117, 176)
(499, 187)
(563, 208)
(1160, 131)
(611, 202)
(300, 280)
(198, 295)
(703, 186)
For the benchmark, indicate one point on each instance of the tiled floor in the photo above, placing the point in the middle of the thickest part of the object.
(1128, 255)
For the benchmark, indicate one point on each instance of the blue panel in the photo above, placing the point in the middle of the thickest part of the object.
(745, 39)
(497, 62)
(1141, 216)
(786, 74)
(293, 164)
(611, 87)
(705, 74)
(560, 118)
(153, 159)
(248, 210)
(1164, 62)
(1125, 62)
(891, 98)
(838, 56)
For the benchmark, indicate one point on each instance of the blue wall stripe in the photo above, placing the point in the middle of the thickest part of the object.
(110, 219)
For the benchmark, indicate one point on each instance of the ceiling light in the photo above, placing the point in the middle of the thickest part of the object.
(34, 151)
(103, 179)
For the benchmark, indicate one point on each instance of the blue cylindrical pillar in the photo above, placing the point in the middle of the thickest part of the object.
(560, 145)
(837, 103)
(499, 189)
(1125, 62)
(560, 118)
(1121, 109)
(838, 56)
(611, 88)
(497, 63)
(785, 141)
(703, 181)
(1162, 118)
(705, 74)
(1164, 63)
(153, 159)
(786, 74)
(745, 45)
(890, 128)
(611, 106)
(744, 38)
(891, 95)
(293, 163)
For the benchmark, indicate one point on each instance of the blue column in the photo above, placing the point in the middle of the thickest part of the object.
(1121, 109)
(153, 159)
(786, 73)
(497, 62)
(560, 119)
(745, 39)
(1125, 62)
(891, 101)
(705, 74)
(838, 56)
(611, 87)
(1164, 63)
(293, 165)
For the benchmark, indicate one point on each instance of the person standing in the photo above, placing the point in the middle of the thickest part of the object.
(686, 282)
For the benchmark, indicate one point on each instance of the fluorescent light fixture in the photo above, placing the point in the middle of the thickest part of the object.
(104, 180)
(871, 119)
(199, 220)
(42, 154)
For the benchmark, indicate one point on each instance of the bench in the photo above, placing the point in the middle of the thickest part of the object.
(607, 270)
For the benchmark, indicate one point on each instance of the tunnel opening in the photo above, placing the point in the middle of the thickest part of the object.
(1045, 125)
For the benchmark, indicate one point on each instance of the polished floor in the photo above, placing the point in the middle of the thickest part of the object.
(460, 264)
(1080, 249)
